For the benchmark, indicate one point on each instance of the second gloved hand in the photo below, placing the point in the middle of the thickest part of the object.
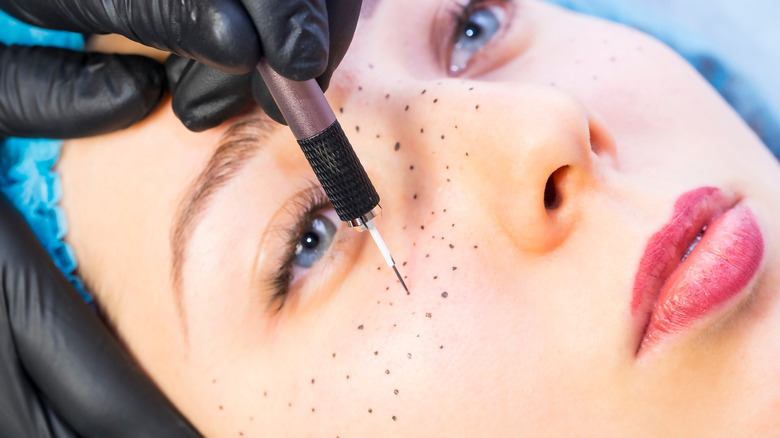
(300, 39)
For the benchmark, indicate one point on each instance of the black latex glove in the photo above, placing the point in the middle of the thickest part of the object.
(57, 93)
(300, 39)
(62, 374)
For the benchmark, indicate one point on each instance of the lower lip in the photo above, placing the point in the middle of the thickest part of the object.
(713, 275)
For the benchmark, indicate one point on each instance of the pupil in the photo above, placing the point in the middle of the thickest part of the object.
(472, 30)
(310, 240)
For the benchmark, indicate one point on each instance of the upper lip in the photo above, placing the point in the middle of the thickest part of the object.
(693, 211)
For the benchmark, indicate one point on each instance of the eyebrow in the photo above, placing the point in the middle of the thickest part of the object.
(238, 145)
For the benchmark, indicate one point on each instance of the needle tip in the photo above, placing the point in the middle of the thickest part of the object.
(400, 279)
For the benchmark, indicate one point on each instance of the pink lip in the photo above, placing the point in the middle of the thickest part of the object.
(670, 293)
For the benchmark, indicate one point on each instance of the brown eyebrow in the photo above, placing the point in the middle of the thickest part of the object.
(237, 146)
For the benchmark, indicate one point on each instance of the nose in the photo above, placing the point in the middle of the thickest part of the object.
(524, 155)
(532, 161)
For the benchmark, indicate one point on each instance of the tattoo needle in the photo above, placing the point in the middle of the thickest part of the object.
(329, 153)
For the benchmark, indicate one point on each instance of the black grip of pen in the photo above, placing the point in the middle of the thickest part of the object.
(339, 171)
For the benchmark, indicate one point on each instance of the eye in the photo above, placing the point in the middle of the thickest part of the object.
(477, 25)
(314, 242)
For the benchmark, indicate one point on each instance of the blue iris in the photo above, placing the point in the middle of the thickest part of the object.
(314, 242)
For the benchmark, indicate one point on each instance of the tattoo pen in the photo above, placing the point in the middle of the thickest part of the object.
(329, 153)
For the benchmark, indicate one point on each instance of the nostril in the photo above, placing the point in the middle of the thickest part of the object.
(552, 195)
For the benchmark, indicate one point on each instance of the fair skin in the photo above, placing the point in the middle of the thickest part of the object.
(535, 336)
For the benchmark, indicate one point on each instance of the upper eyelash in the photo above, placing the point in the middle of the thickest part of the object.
(460, 11)
(306, 204)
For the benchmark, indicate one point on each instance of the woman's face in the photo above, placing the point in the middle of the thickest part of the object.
(542, 175)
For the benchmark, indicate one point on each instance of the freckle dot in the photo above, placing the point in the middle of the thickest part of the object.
(442, 137)
(422, 227)
(334, 354)
(435, 100)
(456, 126)
(441, 347)
(289, 405)
(312, 410)
(265, 393)
(403, 264)
(220, 407)
(444, 294)
(387, 96)
(377, 136)
(347, 376)
(341, 110)
(360, 88)
(411, 167)
(453, 225)
(422, 130)
(397, 145)
(214, 381)
(357, 128)
(476, 107)
(427, 256)
(312, 381)
(415, 196)
(241, 434)
(435, 277)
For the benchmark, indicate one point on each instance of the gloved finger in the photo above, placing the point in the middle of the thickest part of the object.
(58, 93)
(294, 35)
(204, 97)
(89, 379)
(342, 19)
(219, 33)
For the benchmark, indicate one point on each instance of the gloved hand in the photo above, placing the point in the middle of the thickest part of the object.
(300, 39)
(62, 373)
